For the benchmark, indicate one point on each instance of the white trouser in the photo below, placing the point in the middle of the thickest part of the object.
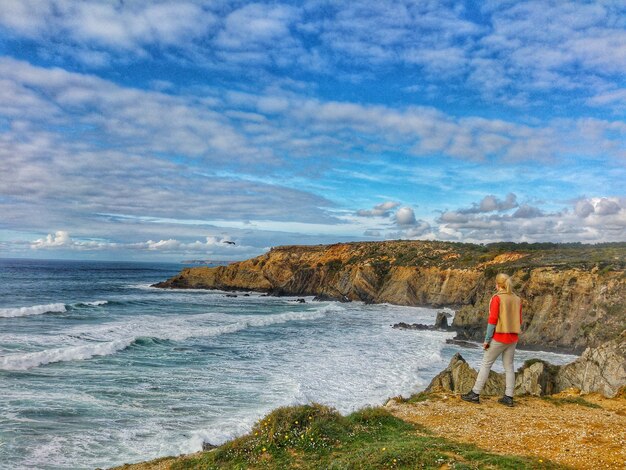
(495, 349)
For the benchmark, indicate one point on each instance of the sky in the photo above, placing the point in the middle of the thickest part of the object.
(136, 130)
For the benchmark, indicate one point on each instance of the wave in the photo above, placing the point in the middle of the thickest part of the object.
(148, 335)
(34, 310)
(48, 308)
(96, 303)
(74, 353)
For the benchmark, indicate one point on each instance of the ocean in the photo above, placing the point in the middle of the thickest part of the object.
(99, 369)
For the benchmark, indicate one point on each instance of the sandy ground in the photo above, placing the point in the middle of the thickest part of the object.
(569, 434)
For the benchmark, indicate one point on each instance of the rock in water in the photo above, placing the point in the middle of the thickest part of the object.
(414, 326)
(441, 321)
(463, 344)
(330, 298)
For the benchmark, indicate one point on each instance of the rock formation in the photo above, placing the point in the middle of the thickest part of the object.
(459, 377)
(600, 370)
(574, 296)
(441, 323)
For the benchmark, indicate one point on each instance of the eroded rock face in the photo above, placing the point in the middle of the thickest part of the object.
(459, 377)
(536, 378)
(568, 308)
(601, 370)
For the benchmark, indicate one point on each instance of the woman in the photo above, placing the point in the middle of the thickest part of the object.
(503, 328)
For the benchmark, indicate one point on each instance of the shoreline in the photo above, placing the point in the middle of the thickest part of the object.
(453, 307)
(443, 415)
(211, 447)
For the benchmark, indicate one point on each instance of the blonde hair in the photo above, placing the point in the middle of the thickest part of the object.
(503, 281)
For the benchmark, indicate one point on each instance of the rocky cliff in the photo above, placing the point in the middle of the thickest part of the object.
(574, 295)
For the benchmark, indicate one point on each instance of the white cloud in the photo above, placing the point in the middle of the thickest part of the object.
(599, 219)
(60, 238)
(614, 98)
(583, 208)
(256, 26)
(380, 210)
(527, 212)
(419, 229)
(125, 26)
(606, 206)
(491, 203)
(514, 50)
(405, 216)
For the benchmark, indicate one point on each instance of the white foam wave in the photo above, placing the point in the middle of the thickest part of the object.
(255, 321)
(154, 328)
(75, 353)
(48, 308)
(34, 310)
(96, 303)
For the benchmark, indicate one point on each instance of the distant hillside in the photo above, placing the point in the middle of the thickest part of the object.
(574, 294)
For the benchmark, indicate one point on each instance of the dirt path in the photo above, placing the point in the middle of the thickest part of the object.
(567, 433)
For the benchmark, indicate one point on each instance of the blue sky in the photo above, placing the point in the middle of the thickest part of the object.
(160, 130)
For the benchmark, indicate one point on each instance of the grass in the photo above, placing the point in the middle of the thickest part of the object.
(416, 397)
(607, 257)
(570, 401)
(318, 437)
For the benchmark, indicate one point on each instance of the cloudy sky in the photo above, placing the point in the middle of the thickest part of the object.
(161, 130)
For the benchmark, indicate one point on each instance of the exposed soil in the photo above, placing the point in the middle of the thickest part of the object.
(566, 433)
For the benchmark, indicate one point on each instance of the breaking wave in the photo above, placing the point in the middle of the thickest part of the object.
(96, 303)
(48, 308)
(34, 310)
(165, 331)
(73, 353)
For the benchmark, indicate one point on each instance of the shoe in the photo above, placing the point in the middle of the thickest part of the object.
(506, 400)
(471, 397)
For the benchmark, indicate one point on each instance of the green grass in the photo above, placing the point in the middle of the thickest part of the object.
(317, 437)
(607, 257)
(415, 398)
(570, 401)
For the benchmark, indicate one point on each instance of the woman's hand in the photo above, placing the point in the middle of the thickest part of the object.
(485, 346)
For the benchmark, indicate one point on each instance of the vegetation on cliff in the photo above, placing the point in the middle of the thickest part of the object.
(574, 295)
(315, 436)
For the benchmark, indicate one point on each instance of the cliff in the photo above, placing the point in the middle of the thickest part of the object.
(574, 296)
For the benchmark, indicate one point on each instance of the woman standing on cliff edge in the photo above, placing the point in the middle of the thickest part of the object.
(503, 328)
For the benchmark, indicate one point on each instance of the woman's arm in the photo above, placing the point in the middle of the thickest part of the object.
(494, 311)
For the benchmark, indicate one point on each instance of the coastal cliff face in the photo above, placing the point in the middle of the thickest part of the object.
(567, 308)
(574, 296)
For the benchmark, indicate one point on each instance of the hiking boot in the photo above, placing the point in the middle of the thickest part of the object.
(471, 397)
(506, 400)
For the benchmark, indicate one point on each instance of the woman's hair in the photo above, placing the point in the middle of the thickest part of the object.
(503, 281)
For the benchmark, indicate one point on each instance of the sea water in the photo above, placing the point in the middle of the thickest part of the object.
(97, 368)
